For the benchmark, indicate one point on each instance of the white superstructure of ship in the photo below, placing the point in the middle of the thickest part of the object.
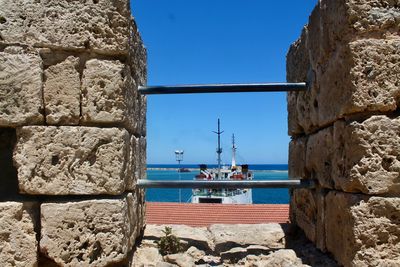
(229, 173)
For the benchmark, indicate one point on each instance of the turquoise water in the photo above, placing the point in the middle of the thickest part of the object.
(260, 196)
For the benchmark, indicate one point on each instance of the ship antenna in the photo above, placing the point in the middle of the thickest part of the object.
(219, 149)
(233, 152)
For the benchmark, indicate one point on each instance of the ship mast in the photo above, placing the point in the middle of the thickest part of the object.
(219, 149)
(233, 152)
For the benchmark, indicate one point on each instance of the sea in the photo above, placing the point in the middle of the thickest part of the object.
(260, 196)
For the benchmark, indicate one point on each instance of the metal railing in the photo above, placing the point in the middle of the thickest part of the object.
(225, 88)
(222, 88)
(226, 184)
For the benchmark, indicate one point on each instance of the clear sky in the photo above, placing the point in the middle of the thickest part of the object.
(218, 41)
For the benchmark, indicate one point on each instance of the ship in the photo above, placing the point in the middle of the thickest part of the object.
(233, 172)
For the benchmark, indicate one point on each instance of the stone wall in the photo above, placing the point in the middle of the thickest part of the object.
(72, 133)
(346, 130)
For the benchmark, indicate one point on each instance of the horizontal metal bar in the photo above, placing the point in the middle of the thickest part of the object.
(222, 88)
(226, 184)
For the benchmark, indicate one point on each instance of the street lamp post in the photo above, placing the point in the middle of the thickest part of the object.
(179, 158)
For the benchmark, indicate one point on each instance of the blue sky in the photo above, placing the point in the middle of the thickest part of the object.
(218, 41)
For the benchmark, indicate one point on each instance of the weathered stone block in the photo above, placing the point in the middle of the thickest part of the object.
(352, 19)
(62, 89)
(142, 110)
(141, 196)
(319, 155)
(361, 76)
(226, 236)
(361, 230)
(137, 57)
(88, 233)
(134, 163)
(297, 70)
(20, 88)
(356, 63)
(297, 158)
(18, 245)
(137, 61)
(307, 209)
(101, 26)
(367, 157)
(109, 95)
(142, 157)
(71, 160)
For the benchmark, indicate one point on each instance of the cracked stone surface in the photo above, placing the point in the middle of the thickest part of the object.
(18, 245)
(88, 233)
(109, 95)
(101, 26)
(61, 92)
(20, 87)
(71, 160)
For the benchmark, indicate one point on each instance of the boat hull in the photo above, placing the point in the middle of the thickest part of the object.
(244, 198)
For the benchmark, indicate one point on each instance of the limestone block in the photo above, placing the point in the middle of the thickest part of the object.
(101, 26)
(319, 155)
(307, 210)
(352, 19)
(109, 95)
(355, 63)
(361, 230)
(137, 57)
(297, 157)
(361, 76)
(141, 209)
(87, 233)
(281, 257)
(18, 245)
(135, 217)
(71, 160)
(146, 256)
(227, 236)
(141, 115)
(142, 157)
(297, 68)
(133, 164)
(137, 61)
(20, 87)
(62, 93)
(180, 259)
(367, 156)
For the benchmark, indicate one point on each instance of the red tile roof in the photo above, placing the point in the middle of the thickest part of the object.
(207, 214)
